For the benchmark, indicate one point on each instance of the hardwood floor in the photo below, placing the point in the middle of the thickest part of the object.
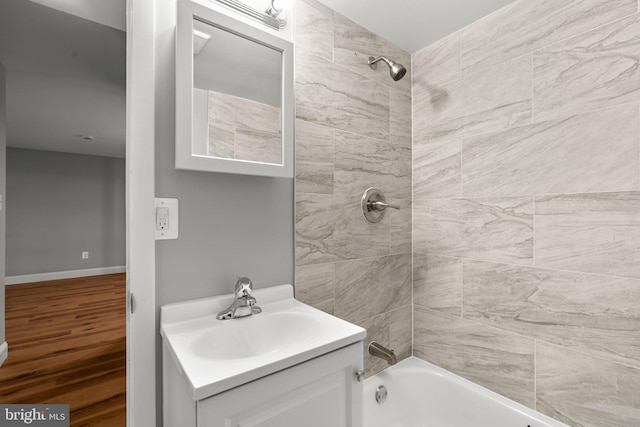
(67, 345)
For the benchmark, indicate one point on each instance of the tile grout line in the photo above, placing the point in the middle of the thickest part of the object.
(461, 288)
(334, 289)
(460, 140)
(530, 266)
(533, 230)
(333, 147)
(535, 374)
(511, 196)
(412, 213)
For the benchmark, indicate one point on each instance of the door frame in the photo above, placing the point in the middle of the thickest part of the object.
(140, 167)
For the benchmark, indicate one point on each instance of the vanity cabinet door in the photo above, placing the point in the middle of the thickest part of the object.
(318, 393)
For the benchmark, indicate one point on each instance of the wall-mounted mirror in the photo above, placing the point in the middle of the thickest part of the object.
(234, 95)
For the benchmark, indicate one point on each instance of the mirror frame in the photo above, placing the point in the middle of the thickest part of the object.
(185, 157)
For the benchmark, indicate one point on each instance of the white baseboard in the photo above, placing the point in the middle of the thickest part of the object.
(40, 277)
(4, 352)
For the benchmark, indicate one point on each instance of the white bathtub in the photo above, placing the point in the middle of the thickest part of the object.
(423, 395)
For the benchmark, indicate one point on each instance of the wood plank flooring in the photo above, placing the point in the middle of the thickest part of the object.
(67, 345)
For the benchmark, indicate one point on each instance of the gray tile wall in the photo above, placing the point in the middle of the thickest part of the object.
(353, 131)
(526, 206)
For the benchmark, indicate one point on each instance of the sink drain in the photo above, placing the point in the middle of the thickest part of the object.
(381, 394)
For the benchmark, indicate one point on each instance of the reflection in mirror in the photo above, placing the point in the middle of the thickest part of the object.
(234, 95)
(237, 96)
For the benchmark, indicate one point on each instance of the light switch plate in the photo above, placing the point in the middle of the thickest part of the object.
(166, 218)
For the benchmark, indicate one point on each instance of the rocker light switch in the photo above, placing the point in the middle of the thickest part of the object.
(166, 219)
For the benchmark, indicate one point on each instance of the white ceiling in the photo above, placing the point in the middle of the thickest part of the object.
(414, 24)
(65, 76)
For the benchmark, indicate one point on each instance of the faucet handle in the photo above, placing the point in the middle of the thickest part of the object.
(243, 288)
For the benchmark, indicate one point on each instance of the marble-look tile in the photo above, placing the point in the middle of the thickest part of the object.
(314, 29)
(591, 152)
(392, 330)
(492, 229)
(332, 228)
(581, 390)
(437, 283)
(437, 169)
(371, 286)
(355, 237)
(314, 158)
(593, 233)
(330, 95)
(595, 314)
(524, 26)
(221, 140)
(593, 70)
(316, 226)
(362, 162)
(498, 360)
(315, 285)
(488, 101)
(438, 62)
(243, 113)
(400, 118)
(255, 127)
(400, 227)
(258, 146)
(354, 44)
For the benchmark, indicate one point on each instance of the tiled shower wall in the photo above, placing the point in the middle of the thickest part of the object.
(353, 131)
(527, 206)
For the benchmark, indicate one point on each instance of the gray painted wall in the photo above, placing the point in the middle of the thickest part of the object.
(3, 168)
(60, 204)
(230, 225)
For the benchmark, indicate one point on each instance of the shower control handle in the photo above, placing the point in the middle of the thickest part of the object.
(374, 205)
(380, 206)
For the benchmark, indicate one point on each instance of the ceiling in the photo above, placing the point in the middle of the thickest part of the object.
(65, 76)
(414, 24)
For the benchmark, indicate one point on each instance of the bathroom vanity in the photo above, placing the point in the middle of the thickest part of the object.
(290, 365)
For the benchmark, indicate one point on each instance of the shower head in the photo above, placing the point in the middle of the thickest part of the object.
(396, 70)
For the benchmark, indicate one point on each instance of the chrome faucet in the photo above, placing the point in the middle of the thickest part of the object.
(382, 352)
(244, 304)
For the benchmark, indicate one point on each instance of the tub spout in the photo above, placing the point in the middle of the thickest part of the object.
(382, 352)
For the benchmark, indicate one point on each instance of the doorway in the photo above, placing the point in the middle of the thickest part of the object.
(65, 299)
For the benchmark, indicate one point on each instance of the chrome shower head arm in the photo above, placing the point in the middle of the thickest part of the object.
(373, 62)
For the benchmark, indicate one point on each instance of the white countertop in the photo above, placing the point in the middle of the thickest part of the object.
(303, 333)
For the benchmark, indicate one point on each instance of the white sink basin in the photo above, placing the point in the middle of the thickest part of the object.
(256, 335)
(215, 355)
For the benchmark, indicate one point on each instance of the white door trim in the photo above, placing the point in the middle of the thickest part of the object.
(141, 325)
